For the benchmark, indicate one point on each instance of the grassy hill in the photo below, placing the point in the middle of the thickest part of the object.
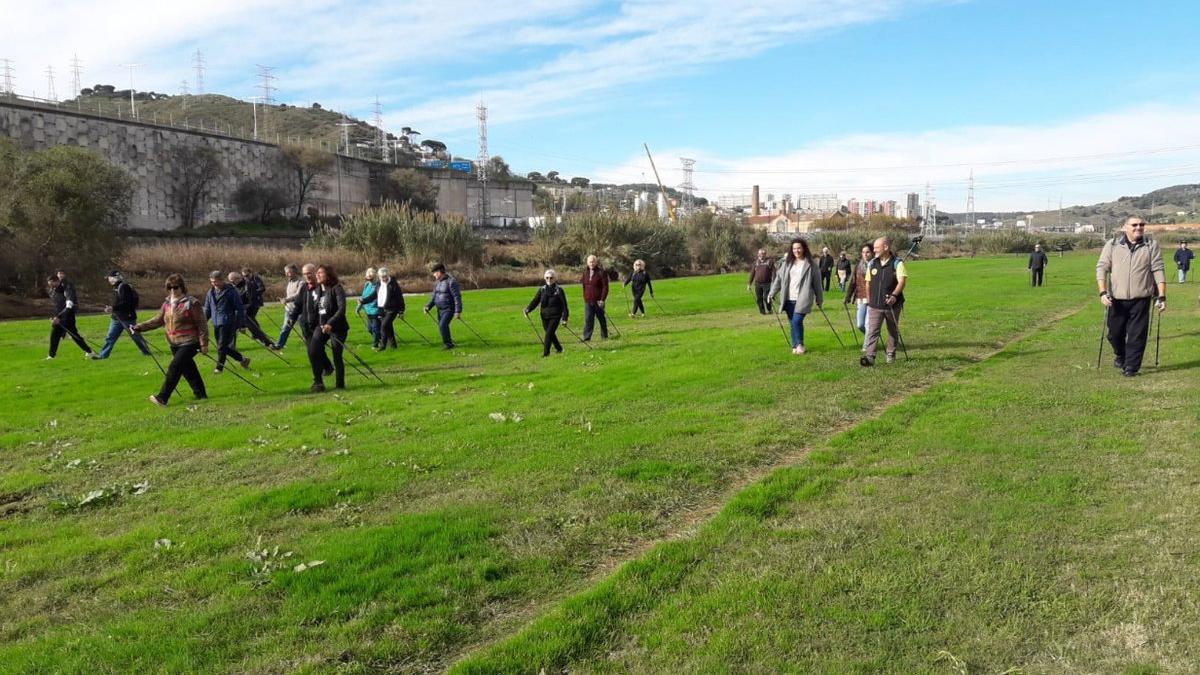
(687, 497)
(1165, 203)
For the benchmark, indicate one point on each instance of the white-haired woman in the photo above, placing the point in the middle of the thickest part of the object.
(390, 299)
(640, 279)
(368, 307)
(552, 300)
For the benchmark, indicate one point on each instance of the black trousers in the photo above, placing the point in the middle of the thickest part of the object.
(387, 322)
(256, 331)
(637, 303)
(227, 344)
(1035, 275)
(760, 296)
(320, 362)
(1128, 328)
(826, 275)
(550, 326)
(591, 312)
(183, 364)
(66, 326)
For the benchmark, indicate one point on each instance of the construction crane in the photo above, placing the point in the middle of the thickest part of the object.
(670, 207)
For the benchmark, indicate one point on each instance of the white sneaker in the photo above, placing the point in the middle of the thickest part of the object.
(49, 358)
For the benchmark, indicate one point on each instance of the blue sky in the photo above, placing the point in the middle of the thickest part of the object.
(868, 99)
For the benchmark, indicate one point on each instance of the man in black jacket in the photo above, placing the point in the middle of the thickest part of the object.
(62, 292)
(1183, 260)
(826, 267)
(252, 301)
(886, 278)
(1037, 265)
(554, 310)
(122, 309)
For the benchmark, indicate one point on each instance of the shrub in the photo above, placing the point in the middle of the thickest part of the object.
(59, 208)
(396, 230)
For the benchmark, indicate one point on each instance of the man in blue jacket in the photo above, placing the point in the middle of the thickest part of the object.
(223, 307)
(447, 297)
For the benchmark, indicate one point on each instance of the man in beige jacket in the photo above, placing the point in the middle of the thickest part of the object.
(1130, 275)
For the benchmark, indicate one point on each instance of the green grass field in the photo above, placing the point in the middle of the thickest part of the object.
(689, 497)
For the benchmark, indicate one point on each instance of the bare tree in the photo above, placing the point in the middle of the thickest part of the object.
(199, 167)
(306, 164)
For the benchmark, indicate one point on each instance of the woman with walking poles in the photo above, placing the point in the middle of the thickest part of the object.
(187, 335)
(367, 306)
(330, 326)
(798, 283)
(640, 281)
(552, 300)
(390, 299)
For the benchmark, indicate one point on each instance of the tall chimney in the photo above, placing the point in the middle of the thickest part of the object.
(754, 201)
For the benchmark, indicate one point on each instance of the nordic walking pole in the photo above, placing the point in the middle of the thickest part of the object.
(783, 330)
(485, 342)
(576, 335)
(1157, 339)
(628, 308)
(535, 330)
(830, 323)
(899, 336)
(232, 372)
(1103, 334)
(358, 358)
(659, 305)
(273, 321)
(414, 329)
(78, 337)
(853, 328)
(134, 336)
(612, 325)
(270, 351)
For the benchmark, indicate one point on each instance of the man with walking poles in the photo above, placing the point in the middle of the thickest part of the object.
(886, 278)
(62, 292)
(595, 293)
(1037, 265)
(762, 273)
(1130, 276)
(447, 297)
(123, 311)
(1183, 260)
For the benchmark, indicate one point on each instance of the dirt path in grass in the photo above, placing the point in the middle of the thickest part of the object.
(690, 520)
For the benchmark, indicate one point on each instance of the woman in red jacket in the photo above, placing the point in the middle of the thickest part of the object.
(187, 334)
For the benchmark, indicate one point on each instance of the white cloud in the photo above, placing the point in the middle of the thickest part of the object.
(1092, 159)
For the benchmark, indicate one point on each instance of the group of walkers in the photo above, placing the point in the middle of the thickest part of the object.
(1130, 277)
(875, 285)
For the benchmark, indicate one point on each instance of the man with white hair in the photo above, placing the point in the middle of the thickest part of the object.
(595, 293)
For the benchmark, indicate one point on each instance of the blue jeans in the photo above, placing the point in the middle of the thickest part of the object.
(374, 329)
(284, 332)
(445, 316)
(862, 315)
(115, 329)
(797, 320)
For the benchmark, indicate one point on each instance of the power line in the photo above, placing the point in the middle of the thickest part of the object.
(51, 95)
(76, 75)
(8, 76)
(267, 86)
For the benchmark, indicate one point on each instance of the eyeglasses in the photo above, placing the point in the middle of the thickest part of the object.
(1137, 224)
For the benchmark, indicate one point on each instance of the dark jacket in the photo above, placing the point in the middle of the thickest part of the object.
(304, 308)
(225, 308)
(552, 300)
(762, 272)
(595, 285)
(641, 282)
(844, 265)
(1183, 258)
(124, 302)
(395, 297)
(251, 291)
(825, 263)
(447, 295)
(331, 308)
(1038, 260)
(65, 302)
(882, 281)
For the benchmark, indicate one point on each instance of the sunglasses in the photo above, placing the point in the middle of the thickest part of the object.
(174, 288)
(1137, 224)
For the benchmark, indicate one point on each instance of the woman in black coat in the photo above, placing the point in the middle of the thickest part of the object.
(554, 311)
(390, 299)
(332, 326)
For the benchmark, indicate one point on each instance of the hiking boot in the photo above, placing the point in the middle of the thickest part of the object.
(1119, 363)
(218, 370)
(246, 363)
(317, 388)
(866, 361)
(891, 358)
(157, 401)
(1129, 373)
(328, 371)
(94, 356)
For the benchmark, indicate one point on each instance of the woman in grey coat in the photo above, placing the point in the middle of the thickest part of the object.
(798, 283)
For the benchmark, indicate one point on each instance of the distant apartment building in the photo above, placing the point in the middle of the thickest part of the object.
(913, 207)
(818, 203)
(869, 207)
(852, 206)
(888, 208)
